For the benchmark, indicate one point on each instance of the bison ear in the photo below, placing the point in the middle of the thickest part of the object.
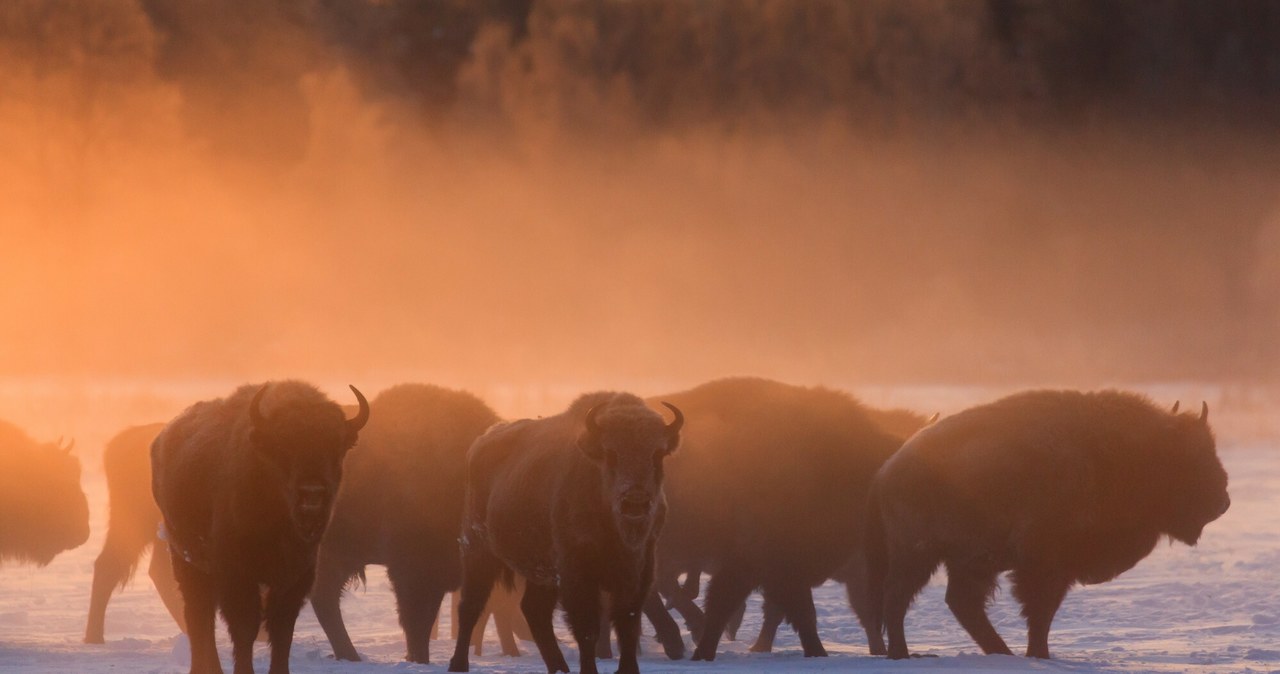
(590, 445)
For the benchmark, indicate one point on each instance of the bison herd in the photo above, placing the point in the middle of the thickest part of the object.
(616, 508)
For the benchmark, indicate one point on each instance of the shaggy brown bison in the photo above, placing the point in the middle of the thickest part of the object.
(132, 527)
(43, 510)
(574, 503)
(400, 505)
(900, 423)
(769, 492)
(245, 485)
(1059, 487)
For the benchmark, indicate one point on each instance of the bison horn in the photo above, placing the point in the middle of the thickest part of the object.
(933, 419)
(255, 411)
(674, 426)
(1204, 413)
(362, 417)
(1175, 407)
(593, 429)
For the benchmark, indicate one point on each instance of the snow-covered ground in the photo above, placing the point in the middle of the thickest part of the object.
(1213, 608)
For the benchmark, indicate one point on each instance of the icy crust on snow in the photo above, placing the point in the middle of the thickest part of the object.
(1213, 608)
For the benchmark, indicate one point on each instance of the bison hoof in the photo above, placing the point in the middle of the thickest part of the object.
(674, 651)
(459, 666)
(760, 648)
(819, 652)
(699, 654)
(95, 640)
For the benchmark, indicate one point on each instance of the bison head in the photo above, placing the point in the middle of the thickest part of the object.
(629, 443)
(1198, 483)
(304, 443)
(43, 510)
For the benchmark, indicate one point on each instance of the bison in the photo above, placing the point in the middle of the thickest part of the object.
(575, 504)
(132, 528)
(43, 510)
(245, 485)
(400, 505)
(769, 492)
(900, 423)
(1058, 487)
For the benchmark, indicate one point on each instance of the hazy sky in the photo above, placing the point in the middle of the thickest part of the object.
(873, 192)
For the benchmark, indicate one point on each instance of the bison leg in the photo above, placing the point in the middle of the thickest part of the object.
(326, 600)
(160, 569)
(1041, 593)
(735, 622)
(538, 604)
(418, 603)
(283, 605)
(479, 571)
(905, 575)
(626, 623)
(110, 571)
(604, 645)
(580, 597)
(201, 608)
(728, 588)
(668, 632)
(968, 590)
(860, 601)
(668, 586)
(796, 601)
(502, 622)
(773, 615)
(242, 609)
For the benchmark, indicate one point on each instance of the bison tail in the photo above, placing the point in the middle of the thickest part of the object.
(877, 555)
(508, 579)
(356, 581)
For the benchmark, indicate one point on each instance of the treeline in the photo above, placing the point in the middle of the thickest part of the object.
(876, 64)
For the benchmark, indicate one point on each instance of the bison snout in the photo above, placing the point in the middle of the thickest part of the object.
(635, 505)
(312, 500)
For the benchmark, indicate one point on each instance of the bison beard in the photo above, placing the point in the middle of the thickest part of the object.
(574, 503)
(244, 486)
(1058, 487)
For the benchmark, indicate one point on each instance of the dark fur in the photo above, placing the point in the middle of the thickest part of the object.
(769, 492)
(132, 529)
(400, 505)
(576, 513)
(244, 506)
(1058, 487)
(43, 510)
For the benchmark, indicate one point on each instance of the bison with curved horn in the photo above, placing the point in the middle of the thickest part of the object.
(574, 503)
(1058, 487)
(43, 510)
(245, 485)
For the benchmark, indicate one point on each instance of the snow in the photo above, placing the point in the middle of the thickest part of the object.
(1213, 608)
